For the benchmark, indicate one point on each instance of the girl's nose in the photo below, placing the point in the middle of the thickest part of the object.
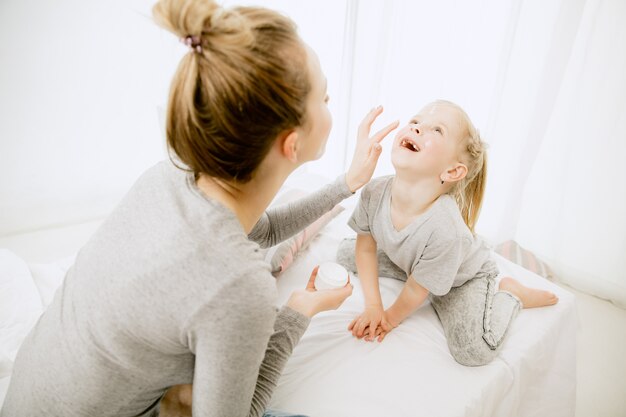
(416, 130)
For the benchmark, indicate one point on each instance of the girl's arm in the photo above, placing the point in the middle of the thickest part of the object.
(409, 300)
(367, 266)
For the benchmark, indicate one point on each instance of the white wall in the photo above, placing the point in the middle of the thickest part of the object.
(81, 81)
(409, 53)
(80, 84)
(544, 82)
(573, 205)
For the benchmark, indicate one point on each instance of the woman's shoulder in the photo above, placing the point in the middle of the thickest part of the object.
(222, 243)
(224, 266)
(165, 169)
(228, 269)
(161, 182)
(230, 281)
(165, 223)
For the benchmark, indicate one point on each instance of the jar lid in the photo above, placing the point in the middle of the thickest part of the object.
(333, 274)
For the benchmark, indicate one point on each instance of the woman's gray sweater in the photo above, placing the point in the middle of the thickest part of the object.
(168, 291)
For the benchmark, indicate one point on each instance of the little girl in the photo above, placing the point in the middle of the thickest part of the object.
(418, 226)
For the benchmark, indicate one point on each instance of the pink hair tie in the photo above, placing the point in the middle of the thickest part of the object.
(194, 42)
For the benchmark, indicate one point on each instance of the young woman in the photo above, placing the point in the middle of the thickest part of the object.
(171, 290)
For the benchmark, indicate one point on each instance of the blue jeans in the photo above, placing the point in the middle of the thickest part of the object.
(275, 413)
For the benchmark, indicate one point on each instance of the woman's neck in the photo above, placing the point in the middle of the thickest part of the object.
(247, 201)
(413, 197)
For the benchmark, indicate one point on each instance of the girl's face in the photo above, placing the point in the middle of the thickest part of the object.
(319, 121)
(428, 145)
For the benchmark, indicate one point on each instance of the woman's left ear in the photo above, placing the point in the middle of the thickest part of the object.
(457, 173)
(289, 146)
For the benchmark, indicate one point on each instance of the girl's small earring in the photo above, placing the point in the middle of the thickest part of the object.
(441, 182)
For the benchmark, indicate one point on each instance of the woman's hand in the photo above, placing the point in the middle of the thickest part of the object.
(367, 150)
(369, 319)
(311, 301)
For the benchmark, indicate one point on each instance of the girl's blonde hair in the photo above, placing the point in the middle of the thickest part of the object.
(244, 81)
(469, 192)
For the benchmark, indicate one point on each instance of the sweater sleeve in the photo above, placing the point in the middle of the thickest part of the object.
(288, 329)
(239, 357)
(280, 223)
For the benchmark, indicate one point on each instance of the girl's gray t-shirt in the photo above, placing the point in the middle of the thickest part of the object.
(437, 249)
(168, 291)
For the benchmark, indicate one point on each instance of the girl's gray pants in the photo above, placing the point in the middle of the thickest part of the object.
(475, 316)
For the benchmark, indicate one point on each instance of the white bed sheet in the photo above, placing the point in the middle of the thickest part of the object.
(412, 373)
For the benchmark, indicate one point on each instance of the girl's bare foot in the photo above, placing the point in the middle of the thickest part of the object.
(530, 297)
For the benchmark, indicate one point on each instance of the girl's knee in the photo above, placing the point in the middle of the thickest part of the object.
(474, 354)
(468, 346)
(386, 268)
(345, 254)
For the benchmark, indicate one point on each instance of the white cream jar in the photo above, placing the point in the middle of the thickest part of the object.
(331, 275)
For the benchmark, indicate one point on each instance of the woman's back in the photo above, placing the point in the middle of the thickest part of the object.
(162, 278)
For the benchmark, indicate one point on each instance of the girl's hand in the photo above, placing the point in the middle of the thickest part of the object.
(367, 150)
(387, 324)
(369, 319)
(311, 301)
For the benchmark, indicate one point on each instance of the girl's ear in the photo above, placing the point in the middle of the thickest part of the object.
(456, 173)
(289, 146)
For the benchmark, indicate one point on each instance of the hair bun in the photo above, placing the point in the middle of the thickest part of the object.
(246, 83)
(204, 19)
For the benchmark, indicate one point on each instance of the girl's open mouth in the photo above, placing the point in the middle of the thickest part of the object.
(409, 144)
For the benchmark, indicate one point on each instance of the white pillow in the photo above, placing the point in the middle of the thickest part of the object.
(49, 276)
(20, 307)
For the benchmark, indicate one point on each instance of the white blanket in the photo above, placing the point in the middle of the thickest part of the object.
(412, 373)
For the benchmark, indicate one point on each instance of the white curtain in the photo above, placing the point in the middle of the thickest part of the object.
(574, 201)
(545, 82)
(80, 82)
(83, 84)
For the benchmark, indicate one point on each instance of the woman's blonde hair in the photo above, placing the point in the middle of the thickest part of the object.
(244, 81)
(469, 191)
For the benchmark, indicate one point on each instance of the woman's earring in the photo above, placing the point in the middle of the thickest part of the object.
(442, 182)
